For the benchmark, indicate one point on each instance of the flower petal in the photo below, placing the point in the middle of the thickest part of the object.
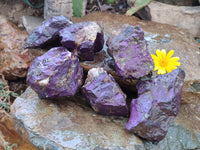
(154, 57)
(158, 53)
(174, 59)
(163, 53)
(176, 63)
(170, 68)
(161, 71)
(156, 68)
(170, 53)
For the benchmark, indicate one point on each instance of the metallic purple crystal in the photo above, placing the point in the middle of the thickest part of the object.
(56, 73)
(104, 94)
(157, 105)
(47, 33)
(129, 51)
(85, 37)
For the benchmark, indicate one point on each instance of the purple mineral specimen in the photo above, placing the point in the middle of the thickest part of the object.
(129, 51)
(86, 37)
(47, 34)
(56, 73)
(157, 105)
(104, 94)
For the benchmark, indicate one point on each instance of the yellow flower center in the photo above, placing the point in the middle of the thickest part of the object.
(163, 63)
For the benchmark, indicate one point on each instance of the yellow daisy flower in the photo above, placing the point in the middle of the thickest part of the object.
(165, 63)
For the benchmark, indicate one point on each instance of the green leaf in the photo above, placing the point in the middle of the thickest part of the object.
(7, 147)
(77, 6)
(35, 7)
(111, 1)
(139, 4)
(199, 1)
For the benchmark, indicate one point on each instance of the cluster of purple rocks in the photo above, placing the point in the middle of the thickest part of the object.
(85, 38)
(58, 73)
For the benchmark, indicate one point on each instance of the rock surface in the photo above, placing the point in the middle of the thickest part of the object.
(69, 124)
(31, 22)
(186, 17)
(180, 2)
(8, 134)
(47, 33)
(56, 73)
(72, 124)
(184, 133)
(14, 60)
(104, 94)
(128, 48)
(156, 106)
(158, 36)
(86, 37)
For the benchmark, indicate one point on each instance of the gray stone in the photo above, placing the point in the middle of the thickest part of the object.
(71, 124)
(31, 22)
(180, 2)
(186, 17)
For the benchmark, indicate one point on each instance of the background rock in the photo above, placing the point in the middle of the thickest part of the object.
(68, 125)
(158, 36)
(181, 16)
(31, 22)
(14, 60)
(180, 2)
(8, 134)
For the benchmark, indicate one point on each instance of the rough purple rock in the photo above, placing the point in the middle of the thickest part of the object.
(104, 94)
(86, 37)
(47, 33)
(129, 50)
(56, 73)
(157, 105)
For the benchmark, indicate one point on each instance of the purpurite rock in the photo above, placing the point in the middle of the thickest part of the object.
(157, 105)
(47, 33)
(104, 94)
(86, 37)
(56, 73)
(130, 53)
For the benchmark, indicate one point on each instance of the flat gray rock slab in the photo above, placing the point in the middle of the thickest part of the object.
(65, 124)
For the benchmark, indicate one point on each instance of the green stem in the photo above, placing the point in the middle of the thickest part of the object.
(35, 7)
